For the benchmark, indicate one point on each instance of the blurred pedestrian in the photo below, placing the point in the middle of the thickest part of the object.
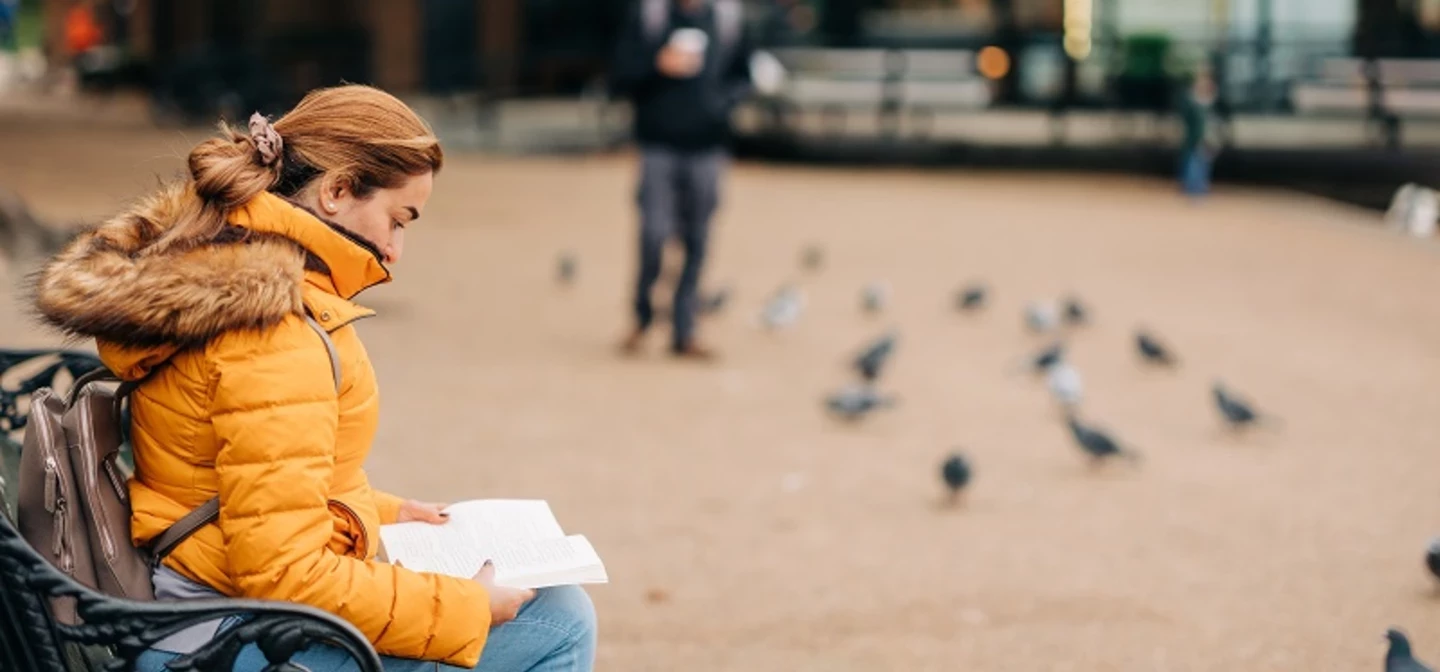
(1196, 154)
(684, 64)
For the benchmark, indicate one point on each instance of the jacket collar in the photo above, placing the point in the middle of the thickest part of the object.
(353, 267)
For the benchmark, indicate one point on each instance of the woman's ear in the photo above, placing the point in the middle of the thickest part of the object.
(334, 195)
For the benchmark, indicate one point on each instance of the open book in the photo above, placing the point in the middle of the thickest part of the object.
(520, 536)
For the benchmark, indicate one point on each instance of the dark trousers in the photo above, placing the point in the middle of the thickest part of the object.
(679, 192)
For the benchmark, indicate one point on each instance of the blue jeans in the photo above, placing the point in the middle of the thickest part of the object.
(555, 632)
(1195, 172)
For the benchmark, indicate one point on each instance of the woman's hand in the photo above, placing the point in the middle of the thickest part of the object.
(412, 511)
(504, 602)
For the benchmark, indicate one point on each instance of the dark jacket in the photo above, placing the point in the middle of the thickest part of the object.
(685, 114)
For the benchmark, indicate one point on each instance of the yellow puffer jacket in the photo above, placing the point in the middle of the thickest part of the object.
(240, 402)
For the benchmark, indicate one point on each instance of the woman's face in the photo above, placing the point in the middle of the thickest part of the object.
(382, 216)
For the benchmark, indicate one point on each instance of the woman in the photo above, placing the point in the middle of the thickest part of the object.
(201, 292)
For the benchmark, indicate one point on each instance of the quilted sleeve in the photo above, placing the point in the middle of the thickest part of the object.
(275, 415)
(388, 505)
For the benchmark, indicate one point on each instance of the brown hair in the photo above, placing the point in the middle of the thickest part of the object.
(362, 137)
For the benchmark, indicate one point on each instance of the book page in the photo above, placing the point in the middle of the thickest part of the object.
(540, 564)
(506, 519)
(521, 537)
(429, 548)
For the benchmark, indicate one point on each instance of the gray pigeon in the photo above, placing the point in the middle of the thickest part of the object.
(22, 234)
(783, 309)
(971, 298)
(1153, 351)
(956, 472)
(713, 303)
(1236, 412)
(1074, 312)
(873, 359)
(812, 258)
(566, 268)
(1065, 385)
(1400, 658)
(1432, 557)
(1042, 361)
(1097, 444)
(1041, 317)
(874, 297)
(855, 402)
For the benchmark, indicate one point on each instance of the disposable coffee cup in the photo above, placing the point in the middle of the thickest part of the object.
(690, 40)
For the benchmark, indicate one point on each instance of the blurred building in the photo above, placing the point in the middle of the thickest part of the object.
(264, 49)
(511, 46)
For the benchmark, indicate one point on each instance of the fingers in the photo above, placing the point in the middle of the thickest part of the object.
(487, 573)
(433, 513)
(526, 595)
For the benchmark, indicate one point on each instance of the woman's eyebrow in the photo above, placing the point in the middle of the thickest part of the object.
(414, 214)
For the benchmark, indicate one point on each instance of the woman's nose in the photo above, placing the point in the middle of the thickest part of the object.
(395, 247)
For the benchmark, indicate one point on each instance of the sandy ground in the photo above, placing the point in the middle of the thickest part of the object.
(1280, 551)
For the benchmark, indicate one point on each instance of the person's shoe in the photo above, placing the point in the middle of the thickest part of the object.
(632, 344)
(694, 351)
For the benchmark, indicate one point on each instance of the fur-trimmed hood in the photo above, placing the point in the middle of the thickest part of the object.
(110, 284)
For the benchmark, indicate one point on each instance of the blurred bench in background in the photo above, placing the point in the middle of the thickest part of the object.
(1397, 90)
(891, 84)
(1408, 87)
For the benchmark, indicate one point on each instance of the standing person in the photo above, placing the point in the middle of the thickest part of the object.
(203, 294)
(684, 64)
(1195, 152)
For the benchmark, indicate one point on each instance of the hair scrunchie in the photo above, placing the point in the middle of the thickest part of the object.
(266, 140)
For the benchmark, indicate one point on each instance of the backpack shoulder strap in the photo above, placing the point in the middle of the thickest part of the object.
(209, 512)
(188, 524)
(329, 348)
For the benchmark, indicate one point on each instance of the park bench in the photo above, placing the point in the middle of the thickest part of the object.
(110, 633)
(889, 83)
(1398, 90)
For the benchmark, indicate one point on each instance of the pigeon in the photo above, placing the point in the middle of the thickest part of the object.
(1432, 557)
(783, 309)
(567, 268)
(713, 303)
(1042, 361)
(855, 402)
(1074, 312)
(955, 471)
(1064, 383)
(1238, 414)
(1153, 351)
(971, 298)
(812, 258)
(1399, 658)
(1041, 317)
(1097, 444)
(872, 360)
(22, 234)
(874, 297)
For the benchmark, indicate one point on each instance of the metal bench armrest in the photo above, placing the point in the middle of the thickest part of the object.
(128, 629)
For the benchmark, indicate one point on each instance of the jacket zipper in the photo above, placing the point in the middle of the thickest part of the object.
(360, 523)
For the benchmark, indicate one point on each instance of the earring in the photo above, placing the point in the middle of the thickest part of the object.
(330, 207)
